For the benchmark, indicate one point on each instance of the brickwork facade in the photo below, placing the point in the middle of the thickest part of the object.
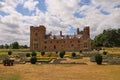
(39, 40)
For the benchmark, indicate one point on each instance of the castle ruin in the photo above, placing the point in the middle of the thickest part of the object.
(40, 41)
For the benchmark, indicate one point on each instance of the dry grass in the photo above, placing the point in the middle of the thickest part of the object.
(115, 50)
(61, 72)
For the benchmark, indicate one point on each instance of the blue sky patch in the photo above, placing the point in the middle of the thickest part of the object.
(104, 12)
(98, 7)
(78, 15)
(3, 13)
(41, 5)
(85, 2)
(118, 6)
(72, 30)
(24, 11)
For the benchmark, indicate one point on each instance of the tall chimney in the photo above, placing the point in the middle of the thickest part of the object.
(86, 32)
(78, 31)
(60, 33)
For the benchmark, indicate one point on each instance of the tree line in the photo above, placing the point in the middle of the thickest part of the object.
(108, 38)
(14, 45)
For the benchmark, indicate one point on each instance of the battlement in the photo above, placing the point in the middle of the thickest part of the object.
(39, 40)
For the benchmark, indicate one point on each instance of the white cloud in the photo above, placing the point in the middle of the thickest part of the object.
(58, 17)
(30, 4)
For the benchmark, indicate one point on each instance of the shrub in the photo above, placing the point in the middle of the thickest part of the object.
(49, 55)
(42, 53)
(9, 52)
(33, 60)
(27, 54)
(8, 62)
(105, 53)
(33, 53)
(62, 53)
(56, 52)
(73, 54)
(98, 59)
(80, 51)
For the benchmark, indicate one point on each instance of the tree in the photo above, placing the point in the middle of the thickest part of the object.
(42, 53)
(6, 46)
(98, 59)
(33, 53)
(23, 46)
(1, 46)
(33, 60)
(15, 45)
(62, 53)
(27, 54)
(73, 54)
(105, 52)
(9, 52)
(108, 38)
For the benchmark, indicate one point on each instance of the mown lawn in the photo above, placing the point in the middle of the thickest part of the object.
(14, 76)
(92, 71)
(60, 72)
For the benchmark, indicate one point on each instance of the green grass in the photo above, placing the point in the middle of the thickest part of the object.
(15, 76)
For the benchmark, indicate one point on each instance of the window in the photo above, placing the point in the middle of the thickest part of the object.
(85, 45)
(45, 42)
(57, 41)
(72, 45)
(45, 47)
(36, 34)
(36, 46)
(35, 40)
(50, 41)
(78, 41)
(54, 47)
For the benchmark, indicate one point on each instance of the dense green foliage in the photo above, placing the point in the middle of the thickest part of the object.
(6, 46)
(14, 45)
(80, 51)
(34, 53)
(9, 52)
(33, 60)
(8, 62)
(56, 52)
(108, 38)
(62, 53)
(98, 58)
(1, 46)
(42, 53)
(105, 52)
(73, 54)
(27, 54)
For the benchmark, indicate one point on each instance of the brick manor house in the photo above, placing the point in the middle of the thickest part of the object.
(39, 40)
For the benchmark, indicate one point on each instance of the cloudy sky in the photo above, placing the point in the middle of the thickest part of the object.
(16, 16)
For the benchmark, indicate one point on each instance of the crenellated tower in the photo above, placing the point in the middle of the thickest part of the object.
(86, 32)
(40, 41)
(37, 34)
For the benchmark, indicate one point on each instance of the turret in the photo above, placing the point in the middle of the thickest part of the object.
(42, 31)
(86, 32)
(61, 33)
(78, 32)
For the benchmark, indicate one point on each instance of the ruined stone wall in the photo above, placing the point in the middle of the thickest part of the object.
(39, 42)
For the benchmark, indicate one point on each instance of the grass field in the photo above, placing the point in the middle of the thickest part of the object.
(60, 72)
(91, 71)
